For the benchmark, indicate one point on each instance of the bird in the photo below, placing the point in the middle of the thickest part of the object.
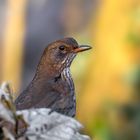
(52, 86)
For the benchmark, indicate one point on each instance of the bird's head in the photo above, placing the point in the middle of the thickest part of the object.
(60, 54)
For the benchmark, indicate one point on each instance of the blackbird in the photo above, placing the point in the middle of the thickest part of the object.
(52, 86)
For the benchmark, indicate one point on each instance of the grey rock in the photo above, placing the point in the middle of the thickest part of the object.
(39, 124)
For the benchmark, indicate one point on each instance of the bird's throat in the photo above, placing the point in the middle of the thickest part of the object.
(66, 76)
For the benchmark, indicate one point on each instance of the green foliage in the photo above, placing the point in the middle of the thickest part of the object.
(134, 38)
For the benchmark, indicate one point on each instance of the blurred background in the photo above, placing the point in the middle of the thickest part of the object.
(107, 78)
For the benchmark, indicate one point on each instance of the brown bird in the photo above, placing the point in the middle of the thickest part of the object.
(52, 86)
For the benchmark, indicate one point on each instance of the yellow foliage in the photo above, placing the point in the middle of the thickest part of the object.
(13, 42)
(112, 58)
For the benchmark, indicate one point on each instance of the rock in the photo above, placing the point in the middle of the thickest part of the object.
(35, 124)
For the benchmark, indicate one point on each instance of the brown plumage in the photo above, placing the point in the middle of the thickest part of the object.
(52, 86)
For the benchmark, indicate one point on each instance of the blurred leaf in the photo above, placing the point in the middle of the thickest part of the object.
(134, 38)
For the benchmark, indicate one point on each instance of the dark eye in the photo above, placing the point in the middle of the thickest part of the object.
(62, 47)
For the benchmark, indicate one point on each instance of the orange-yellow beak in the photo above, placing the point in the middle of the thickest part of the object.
(82, 48)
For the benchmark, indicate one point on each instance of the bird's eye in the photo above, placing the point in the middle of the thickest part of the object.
(62, 47)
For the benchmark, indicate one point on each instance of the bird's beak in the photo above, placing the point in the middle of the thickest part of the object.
(82, 48)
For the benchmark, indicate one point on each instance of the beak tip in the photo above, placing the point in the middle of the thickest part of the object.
(82, 48)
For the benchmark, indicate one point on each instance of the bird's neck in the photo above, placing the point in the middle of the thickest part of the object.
(46, 78)
(71, 104)
(66, 76)
(46, 72)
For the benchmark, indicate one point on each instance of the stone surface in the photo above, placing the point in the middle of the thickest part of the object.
(35, 124)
